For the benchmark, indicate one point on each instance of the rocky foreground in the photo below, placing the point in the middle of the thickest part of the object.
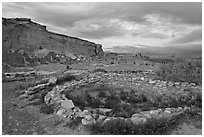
(99, 98)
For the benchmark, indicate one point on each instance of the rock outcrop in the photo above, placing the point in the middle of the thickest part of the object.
(23, 40)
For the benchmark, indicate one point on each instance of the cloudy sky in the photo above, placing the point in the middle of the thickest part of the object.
(118, 24)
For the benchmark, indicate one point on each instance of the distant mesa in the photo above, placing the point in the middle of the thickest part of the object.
(187, 50)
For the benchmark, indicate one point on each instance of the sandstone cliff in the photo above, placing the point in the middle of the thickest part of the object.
(23, 40)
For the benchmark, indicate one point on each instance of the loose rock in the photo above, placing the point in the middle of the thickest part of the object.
(52, 80)
(68, 104)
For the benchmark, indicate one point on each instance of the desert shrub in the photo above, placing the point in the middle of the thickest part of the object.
(44, 108)
(195, 99)
(43, 93)
(24, 85)
(74, 123)
(159, 60)
(93, 102)
(123, 110)
(123, 127)
(123, 95)
(100, 70)
(136, 98)
(78, 97)
(112, 101)
(115, 127)
(163, 101)
(190, 71)
(102, 94)
(180, 100)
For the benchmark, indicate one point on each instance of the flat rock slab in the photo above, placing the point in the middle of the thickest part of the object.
(68, 104)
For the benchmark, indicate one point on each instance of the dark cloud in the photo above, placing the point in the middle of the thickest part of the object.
(50, 12)
(195, 35)
(43, 13)
(181, 12)
(64, 16)
(187, 12)
(102, 33)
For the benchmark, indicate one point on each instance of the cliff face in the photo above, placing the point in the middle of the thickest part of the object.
(21, 34)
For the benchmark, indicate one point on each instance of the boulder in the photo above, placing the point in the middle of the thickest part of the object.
(147, 115)
(52, 80)
(154, 112)
(88, 119)
(177, 83)
(68, 104)
(69, 112)
(104, 110)
(167, 111)
(87, 122)
(138, 120)
(136, 115)
(81, 114)
(61, 112)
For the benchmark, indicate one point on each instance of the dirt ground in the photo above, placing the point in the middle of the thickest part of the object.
(15, 120)
(27, 120)
(20, 119)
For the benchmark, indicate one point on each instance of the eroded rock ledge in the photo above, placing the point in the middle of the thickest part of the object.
(23, 38)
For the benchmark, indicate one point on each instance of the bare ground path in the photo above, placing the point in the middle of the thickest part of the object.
(15, 120)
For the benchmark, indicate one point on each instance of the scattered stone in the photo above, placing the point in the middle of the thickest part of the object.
(170, 84)
(148, 115)
(69, 112)
(88, 119)
(167, 111)
(142, 78)
(163, 84)
(68, 104)
(35, 89)
(154, 112)
(152, 81)
(101, 117)
(136, 115)
(52, 80)
(184, 84)
(85, 112)
(177, 83)
(186, 108)
(192, 84)
(61, 112)
(104, 110)
(35, 133)
(138, 120)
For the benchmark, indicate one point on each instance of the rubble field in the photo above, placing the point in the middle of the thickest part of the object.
(106, 101)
